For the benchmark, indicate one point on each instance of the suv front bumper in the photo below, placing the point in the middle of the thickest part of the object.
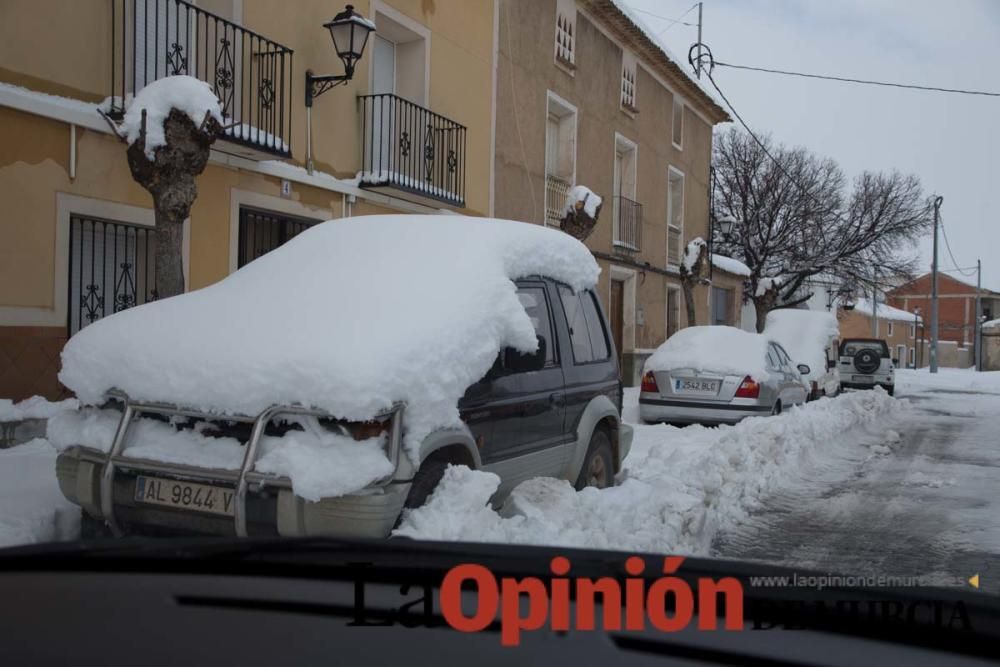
(271, 509)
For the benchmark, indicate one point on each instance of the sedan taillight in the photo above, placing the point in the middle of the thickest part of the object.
(649, 383)
(749, 388)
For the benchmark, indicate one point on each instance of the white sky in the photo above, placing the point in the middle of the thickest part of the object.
(952, 142)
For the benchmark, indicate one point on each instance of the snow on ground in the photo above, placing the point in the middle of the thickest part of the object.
(947, 379)
(679, 487)
(32, 509)
(184, 93)
(718, 349)
(35, 407)
(439, 288)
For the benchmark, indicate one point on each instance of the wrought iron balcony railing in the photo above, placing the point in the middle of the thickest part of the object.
(556, 190)
(251, 75)
(410, 148)
(627, 234)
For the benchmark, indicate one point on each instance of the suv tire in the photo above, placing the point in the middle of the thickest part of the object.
(867, 361)
(425, 481)
(598, 466)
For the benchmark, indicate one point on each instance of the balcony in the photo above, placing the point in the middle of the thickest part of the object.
(627, 231)
(250, 74)
(556, 190)
(410, 149)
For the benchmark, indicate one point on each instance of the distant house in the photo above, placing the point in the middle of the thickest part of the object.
(956, 307)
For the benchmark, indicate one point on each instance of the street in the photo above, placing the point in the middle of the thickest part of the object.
(926, 506)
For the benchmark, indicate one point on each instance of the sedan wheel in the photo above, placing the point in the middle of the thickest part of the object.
(776, 409)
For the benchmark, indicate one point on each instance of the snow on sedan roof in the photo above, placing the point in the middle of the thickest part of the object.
(350, 316)
(805, 335)
(716, 349)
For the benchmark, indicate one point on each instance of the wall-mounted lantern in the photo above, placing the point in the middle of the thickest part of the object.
(349, 32)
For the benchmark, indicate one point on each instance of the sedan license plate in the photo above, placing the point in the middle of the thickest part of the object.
(862, 378)
(695, 386)
(184, 495)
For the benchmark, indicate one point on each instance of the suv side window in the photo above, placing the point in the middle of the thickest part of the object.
(536, 305)
(579, 334)
(598, 336)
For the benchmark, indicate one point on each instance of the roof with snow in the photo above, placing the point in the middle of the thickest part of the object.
(885, 312)
(730, 265)
(656, 55)
(350, 316)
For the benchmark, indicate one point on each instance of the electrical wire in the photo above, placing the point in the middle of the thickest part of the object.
(671, 21)
(867, 82)
(952, 256)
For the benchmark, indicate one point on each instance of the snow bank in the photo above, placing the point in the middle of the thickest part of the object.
(719, 349)
(581, 193)
(350, 316)
(32, 508)
(678, 489)
(962, 379)
(805, 335)
(35, 407)
(730, 265)
(184, 93)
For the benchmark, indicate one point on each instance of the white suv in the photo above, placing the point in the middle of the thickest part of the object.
(865, 363)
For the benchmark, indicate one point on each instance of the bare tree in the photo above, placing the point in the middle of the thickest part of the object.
(694, 268)
(797, 220)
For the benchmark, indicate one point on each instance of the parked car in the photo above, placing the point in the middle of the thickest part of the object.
(554, 412)
(718, 374)
(810, 337)
(865, 363)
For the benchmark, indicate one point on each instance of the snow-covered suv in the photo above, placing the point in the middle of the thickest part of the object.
(865, 363)
(453, 340)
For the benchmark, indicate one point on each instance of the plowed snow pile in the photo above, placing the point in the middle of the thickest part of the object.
(678, 488)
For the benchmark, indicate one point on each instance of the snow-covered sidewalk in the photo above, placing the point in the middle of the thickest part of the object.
(678, 489)
(32, 509)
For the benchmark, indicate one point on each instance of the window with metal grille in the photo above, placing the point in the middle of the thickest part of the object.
(111, 268)
(628, 81)
(262, 231)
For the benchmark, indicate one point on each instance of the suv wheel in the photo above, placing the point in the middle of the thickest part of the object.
(598, 466)
(425, 481)
(867, 361)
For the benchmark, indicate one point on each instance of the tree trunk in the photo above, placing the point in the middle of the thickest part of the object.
(763, 305)
(170, 179)
(688, 287)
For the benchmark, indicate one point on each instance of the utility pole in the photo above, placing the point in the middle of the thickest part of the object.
(978, 330)
(698, 68)
(875, 305)
(934, 289)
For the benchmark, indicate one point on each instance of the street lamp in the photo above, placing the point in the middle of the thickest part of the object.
(726, 224)
(349, 32)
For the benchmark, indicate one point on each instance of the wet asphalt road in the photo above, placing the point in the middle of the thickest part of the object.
(925, 504)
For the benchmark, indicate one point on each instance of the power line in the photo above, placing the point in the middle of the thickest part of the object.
(948, 246)
(868, 82)
(671, 21)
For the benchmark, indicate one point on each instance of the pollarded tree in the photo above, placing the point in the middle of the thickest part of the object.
(170, 127)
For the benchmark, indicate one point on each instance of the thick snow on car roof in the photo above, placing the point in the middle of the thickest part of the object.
(716, 349)
(805, 335)
(350, 316)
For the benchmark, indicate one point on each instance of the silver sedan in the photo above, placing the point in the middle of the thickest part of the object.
(683, 395)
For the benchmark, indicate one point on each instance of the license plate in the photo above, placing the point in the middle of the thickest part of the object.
(694, 386)
(184, 495)
(862, 378)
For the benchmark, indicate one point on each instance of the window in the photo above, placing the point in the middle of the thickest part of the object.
(586, 331)
(675, 216)
(890, 328)
(673, 310)
(626, 219)
(900, 354)
(722, 300)
(112, 267)
(595, 327)
(773, 358)
(263, 231)
(628, 81)
(565, 33)
(913, 330)
(678, 124)
(536, 306)
(399, 57)
(560, 156)
(913, 357)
